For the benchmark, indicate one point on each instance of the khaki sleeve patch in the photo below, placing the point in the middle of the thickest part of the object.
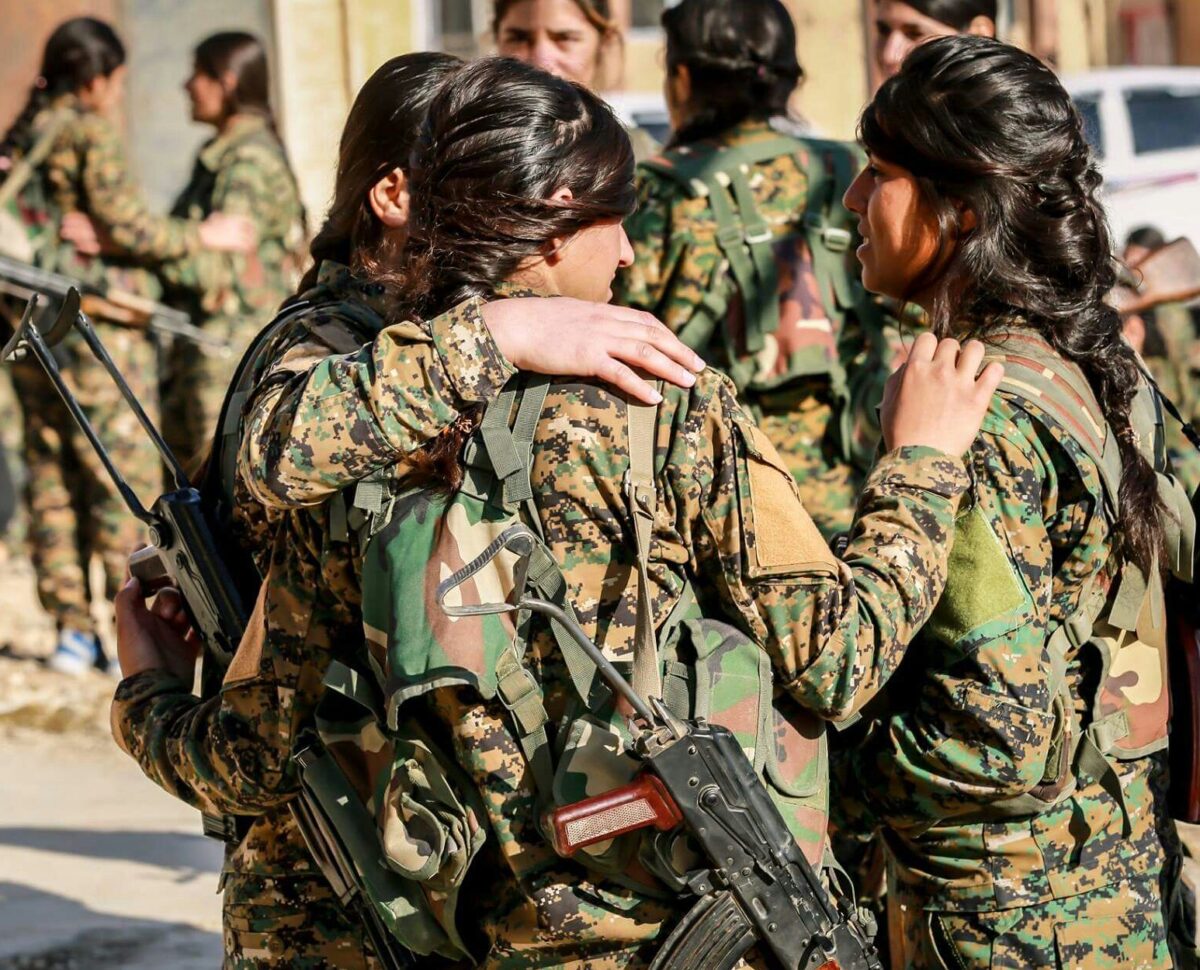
(247, 661)
(786, 540)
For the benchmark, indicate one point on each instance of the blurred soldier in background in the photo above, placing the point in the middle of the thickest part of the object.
(67, 151)
(900, 26)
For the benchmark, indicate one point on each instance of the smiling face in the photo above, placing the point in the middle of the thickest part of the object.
(554, 35)
(898, 226)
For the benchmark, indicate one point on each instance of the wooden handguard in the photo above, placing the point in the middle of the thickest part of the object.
(641, 803)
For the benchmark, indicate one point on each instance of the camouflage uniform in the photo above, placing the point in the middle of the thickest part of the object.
(968, 723)
(1172, 355)
(231, 754)
(242, 171)
(74, 509)
(678, 264)
(729, 519)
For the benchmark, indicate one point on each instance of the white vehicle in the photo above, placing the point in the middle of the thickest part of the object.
(1144, 124)
(642, 109)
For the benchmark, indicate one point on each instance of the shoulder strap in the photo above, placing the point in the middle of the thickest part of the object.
(1035, 374)
(642, 501)
(23, 170)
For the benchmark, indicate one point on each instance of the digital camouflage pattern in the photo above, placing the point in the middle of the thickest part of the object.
(74, 508)
(242, 171)
(231, 754)
(1172, 355)
(679, 267)
(969, 724)
(729, 517)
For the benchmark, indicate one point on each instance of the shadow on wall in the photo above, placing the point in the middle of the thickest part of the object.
(102, 942)
(188, 856)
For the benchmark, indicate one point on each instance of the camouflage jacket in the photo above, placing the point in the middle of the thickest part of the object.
(242, 171)
(729, 520)
(678, 263)
(87, 170)
(231, 754)
(968, 720)
(1172, 355)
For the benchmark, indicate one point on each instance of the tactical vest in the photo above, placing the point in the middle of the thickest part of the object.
(1121, 619)
(391, 780)
(782, 320)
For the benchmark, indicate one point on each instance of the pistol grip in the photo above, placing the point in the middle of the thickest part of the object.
(641, 803)
(147, 566)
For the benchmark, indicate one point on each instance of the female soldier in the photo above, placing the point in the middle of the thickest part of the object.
(900, 25)
(230, 755)
(741, 245)
(1018, 814)
(578, 40)
(548, 179)
(74, 160)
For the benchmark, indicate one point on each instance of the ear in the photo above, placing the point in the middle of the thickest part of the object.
(982, 26)
(967, 220)
(229, 83)
(682, 79)
(556, 244)
(389, 200)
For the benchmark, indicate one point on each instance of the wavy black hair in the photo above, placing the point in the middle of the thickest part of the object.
(495, 145)
(988, 128)
(741, 58)
(379, 136)
(79, 51)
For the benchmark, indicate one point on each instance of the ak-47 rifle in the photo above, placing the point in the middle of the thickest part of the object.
(184, 554)
(23, 281)
(757, 888)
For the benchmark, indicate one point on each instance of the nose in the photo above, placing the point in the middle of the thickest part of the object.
(544, 54)
(856, 194)
(626, 250)
(895, 49)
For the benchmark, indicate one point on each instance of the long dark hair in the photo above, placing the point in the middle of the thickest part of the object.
(988, 128)
(741, 58)
(244, 56)
(495, 146)
(380, 133)
(78, 52)
(955, 13)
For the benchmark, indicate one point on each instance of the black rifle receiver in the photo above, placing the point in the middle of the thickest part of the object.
(758, 887)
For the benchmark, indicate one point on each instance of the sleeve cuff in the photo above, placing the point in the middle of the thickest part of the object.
(474, 365)
(920, 468)
(131, 693)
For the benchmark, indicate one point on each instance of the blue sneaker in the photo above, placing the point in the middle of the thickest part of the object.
(76, 653)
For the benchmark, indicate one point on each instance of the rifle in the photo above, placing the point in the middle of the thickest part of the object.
(23, 281)
(184, 554)
(757, 888)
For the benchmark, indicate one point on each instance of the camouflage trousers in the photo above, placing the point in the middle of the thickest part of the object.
(291, 922)
(806, 441)
(192, 389)
(1116, 927)
(75, 511)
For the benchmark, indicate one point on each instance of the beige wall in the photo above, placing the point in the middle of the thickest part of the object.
(831, 44)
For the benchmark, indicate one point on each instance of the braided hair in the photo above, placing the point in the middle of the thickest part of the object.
(78, 52)
(987, 128)
(741, 58)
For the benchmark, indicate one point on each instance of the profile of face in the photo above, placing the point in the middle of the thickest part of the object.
(104, 94)
(899, 28)
(554, 35)
(207, 95)
(583, 266)
(898, 226)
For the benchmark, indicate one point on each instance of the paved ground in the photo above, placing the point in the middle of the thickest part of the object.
(99, 869)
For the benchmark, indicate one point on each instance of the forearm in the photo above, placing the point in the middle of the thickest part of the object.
(213, 754)
(350, 415)
(892, 574)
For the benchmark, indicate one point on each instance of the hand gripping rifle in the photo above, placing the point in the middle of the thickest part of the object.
(184, 554)
(757, 888)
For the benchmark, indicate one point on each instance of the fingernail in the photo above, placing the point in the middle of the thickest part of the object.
(655, 397)
(130, 583)
(699, 364)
